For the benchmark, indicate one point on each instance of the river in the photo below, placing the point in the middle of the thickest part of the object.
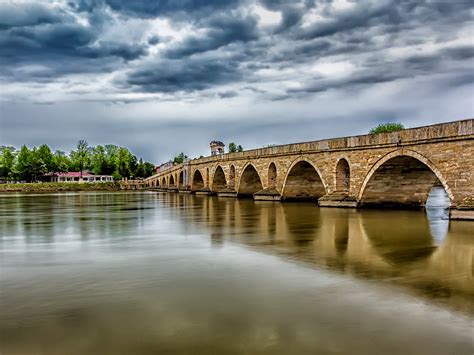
(161, 273)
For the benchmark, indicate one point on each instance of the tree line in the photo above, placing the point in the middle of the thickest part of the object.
(33, 164)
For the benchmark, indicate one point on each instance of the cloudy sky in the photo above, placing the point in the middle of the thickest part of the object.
(166, 76)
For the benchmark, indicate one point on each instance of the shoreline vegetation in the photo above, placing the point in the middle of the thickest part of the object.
(38, 163)
(60, 187)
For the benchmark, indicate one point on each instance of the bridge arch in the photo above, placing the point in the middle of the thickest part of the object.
(303, 181)
(272, 175)
(401, 177)
(219, 181)
(171, 181)
(163, 182)
(198, 180)
(343, 175)
(250, 181)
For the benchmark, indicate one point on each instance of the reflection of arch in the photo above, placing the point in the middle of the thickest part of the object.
(401, 177)
(181, 179)
(198, 181)
(401, 238)
(250, 181)
(302, 223)
(219, 181)
(272, 175)
(303, 181)
(343, 175)
(171, 182)
(232, 177)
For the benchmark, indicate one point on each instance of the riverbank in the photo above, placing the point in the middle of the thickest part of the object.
(59, 187)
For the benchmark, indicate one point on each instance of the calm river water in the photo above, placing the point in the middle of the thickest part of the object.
(159, 273)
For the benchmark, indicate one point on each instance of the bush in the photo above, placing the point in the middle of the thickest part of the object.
(387, 128)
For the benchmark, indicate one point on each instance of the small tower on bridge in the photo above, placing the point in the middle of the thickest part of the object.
(217, 147)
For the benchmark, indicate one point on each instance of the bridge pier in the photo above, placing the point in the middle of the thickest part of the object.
(268, 194)
(204, 191)
(184, 191)
(228, 193)
(338, 200)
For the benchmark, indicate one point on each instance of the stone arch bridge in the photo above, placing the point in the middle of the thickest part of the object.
(387, 169)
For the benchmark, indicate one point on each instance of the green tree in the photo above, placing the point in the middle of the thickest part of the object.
(81, 154)
(123, 162)
(98, 160)
(38, 167)
(44, 154)
(179, 159)
(7, 162)
(233, 148)
(140, 169)
(62, 163)
(22, 166)
(149, 169)
(111, 152)
(387, 128)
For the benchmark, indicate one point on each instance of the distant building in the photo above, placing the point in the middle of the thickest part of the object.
(75, 176)
(217, 147)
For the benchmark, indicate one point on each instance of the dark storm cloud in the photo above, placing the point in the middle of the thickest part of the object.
(291, 11)
(227, 94)
(391, 16)
(27, 14)
(192, 74)
(381, 70)
(150, 9)
(222, 29)
(50, 37)
(154, 40)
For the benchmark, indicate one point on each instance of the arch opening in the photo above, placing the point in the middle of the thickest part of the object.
(171, 182)
(219, 182)
(401, 181)
(272, 175)
(343, 176)
(303, 183)
(198, 181)
(249, 182)
(163, 182)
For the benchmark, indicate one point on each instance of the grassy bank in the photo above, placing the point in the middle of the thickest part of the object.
(60, 186)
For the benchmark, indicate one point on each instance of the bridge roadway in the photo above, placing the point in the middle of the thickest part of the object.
(389, 169)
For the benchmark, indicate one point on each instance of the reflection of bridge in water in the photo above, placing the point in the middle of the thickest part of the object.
(390, 169)
(401, 247)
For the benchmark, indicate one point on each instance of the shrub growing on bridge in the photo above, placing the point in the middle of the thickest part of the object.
(387, 128)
